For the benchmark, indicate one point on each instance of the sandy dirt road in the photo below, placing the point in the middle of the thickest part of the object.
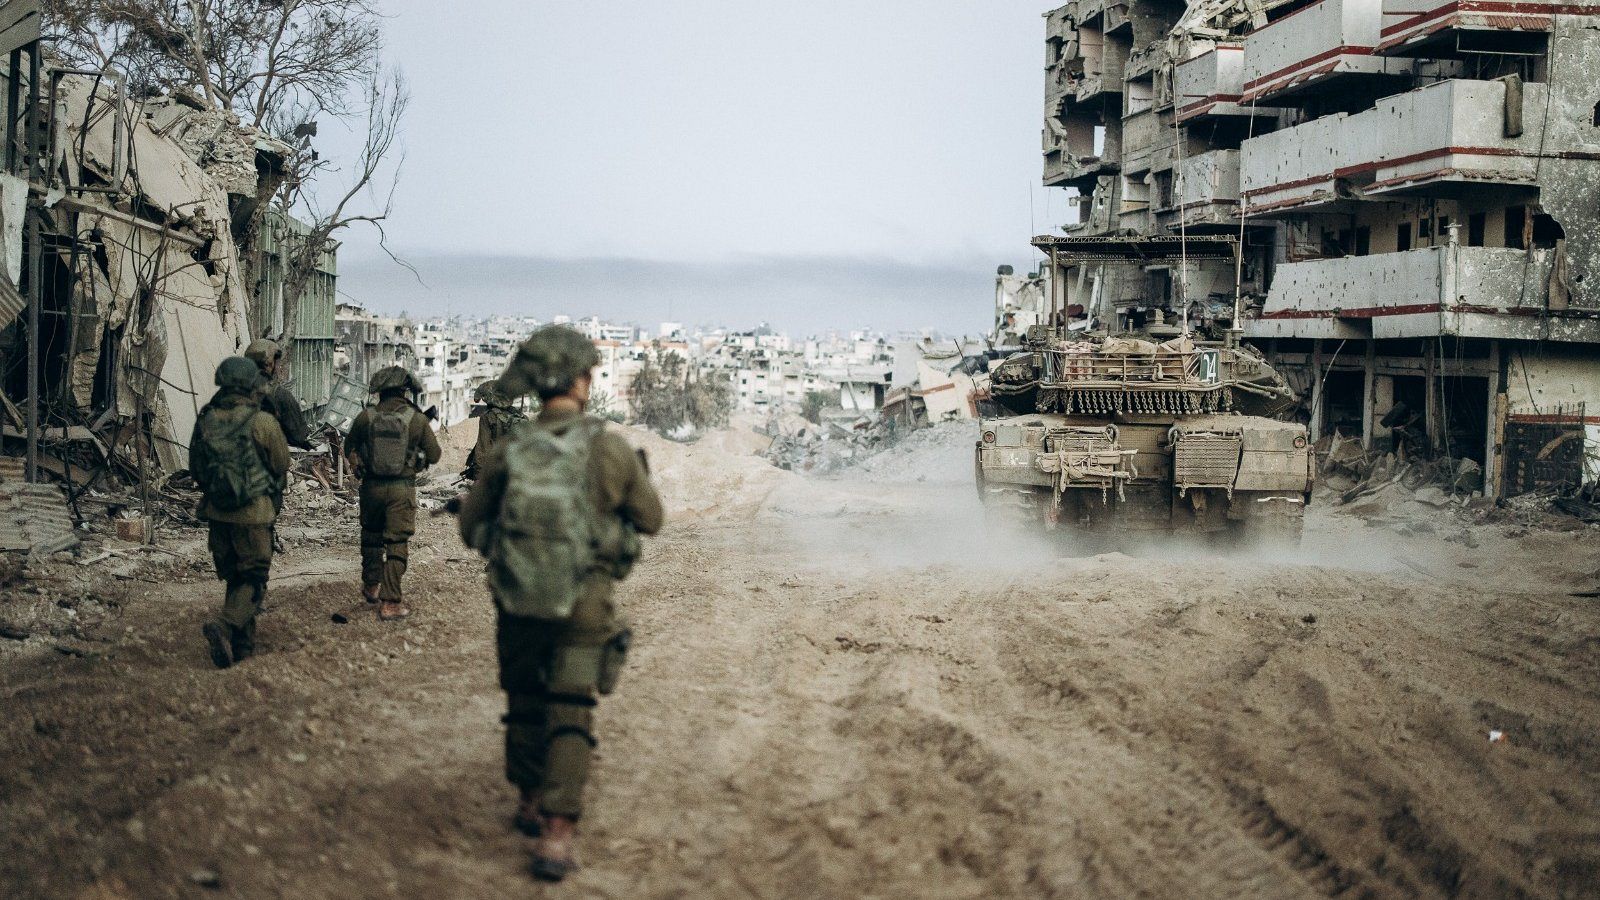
(843, 689)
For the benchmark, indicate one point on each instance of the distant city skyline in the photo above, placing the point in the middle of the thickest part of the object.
(800, 296)
(863, 140)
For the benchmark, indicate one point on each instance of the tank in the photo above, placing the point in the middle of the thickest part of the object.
(1118, 438)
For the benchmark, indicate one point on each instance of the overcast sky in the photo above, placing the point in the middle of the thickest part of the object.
(815, 165)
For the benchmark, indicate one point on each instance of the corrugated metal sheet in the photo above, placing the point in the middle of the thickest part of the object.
(34, 517)
(11, 302)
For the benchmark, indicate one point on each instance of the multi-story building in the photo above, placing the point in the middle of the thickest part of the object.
(1413, 187)
(368, 342)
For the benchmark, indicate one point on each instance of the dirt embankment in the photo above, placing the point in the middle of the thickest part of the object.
(843, 688)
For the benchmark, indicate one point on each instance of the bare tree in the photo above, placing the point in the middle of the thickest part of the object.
(253, 57)
(356, 202)
(279, 65)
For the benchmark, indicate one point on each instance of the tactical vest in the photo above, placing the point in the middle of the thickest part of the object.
(389, 442)
(542, 544)
(230, 470)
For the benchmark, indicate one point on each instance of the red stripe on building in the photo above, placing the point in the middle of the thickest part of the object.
(1486, 6)
(1407, 309)
(1250, 87)
(1363, 168)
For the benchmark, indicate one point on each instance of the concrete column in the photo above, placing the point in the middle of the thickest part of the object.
(1316, 390)
(1432, 414)
(1493, 435)
(1368, 386)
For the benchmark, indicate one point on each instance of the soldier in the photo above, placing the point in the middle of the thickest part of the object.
(494, 423)
(238, 456)
(389, 444)
(277, 400)
(557, 512)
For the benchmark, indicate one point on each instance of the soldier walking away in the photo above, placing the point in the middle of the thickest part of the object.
(558, 512)
(389, 444)
(494, 423)
(238, 456)
(277, 400)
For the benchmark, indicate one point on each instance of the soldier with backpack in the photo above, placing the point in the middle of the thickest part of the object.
(389, 444)
(557, 511)
(276, 399)
(238, 456)
(494, 423)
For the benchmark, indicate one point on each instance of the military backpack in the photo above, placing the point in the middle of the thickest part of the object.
(389, 442)
(542, 545)
(229, 467)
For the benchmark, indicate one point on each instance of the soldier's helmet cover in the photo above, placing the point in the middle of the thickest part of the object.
(236, 373)
(392, 377)
(548, 362)
(261, 351)
(489, 392)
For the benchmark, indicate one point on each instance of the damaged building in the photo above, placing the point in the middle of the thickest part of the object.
(1411, 186)
(135, 261)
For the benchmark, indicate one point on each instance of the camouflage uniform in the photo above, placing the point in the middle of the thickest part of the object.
(551, 698)
(494, 423)
(277, 400)
(241, 539)
(389, 505)
(549, 721)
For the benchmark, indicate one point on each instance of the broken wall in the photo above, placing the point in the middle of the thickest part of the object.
(158, 266)
(1547, 380)
(1567, 172)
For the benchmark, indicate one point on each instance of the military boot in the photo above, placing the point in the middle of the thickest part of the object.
(552, 852)
(217, 640)
(391, 610)
(242, 643)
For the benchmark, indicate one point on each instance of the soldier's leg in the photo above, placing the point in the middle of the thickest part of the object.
(574, 678)
(524, 647)
(253, 549)
(400, 522)
(373, 514)
(220, 543)
(573, 683)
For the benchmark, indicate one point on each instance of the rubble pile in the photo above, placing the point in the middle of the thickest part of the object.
(1419, 495)
(1354, 472)
(802, 446)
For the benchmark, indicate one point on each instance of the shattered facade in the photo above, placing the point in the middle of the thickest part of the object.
(150, 262)
(1412, 187)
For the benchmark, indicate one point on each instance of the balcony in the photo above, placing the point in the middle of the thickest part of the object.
(1211, 84)
(1495, 292)
(1326, 42)
(1443, 140)
(1204, 191)
(1447, 27)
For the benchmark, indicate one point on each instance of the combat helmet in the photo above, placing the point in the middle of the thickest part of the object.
(262, 351)
(391, 378)
(548, 362)
(490, 393)
(236, 373)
